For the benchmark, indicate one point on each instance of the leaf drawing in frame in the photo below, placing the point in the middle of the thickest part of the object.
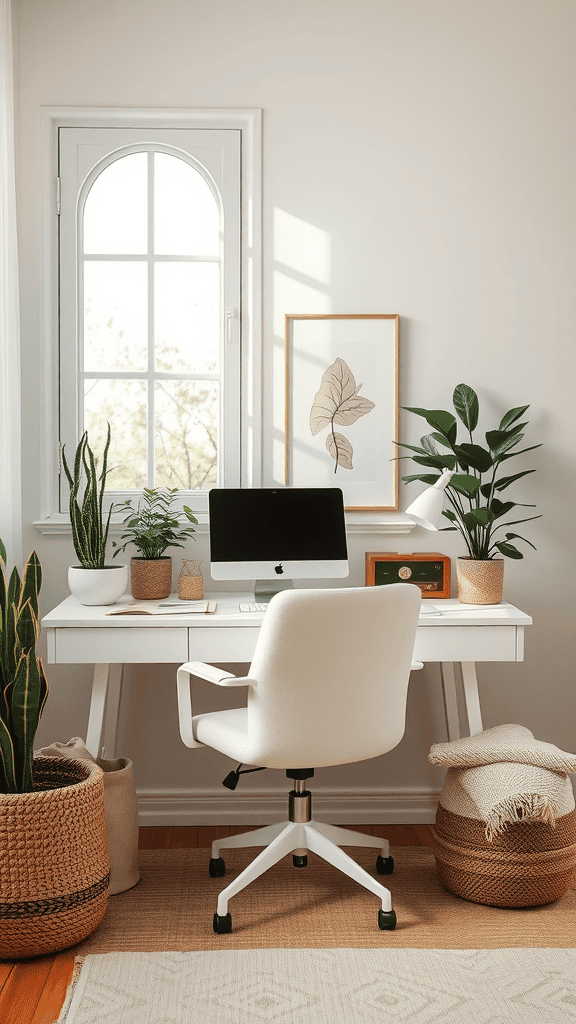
(338, 401)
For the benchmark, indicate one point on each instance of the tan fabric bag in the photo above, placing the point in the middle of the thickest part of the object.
(120, 809)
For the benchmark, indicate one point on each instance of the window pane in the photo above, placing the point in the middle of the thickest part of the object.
(115, 212)
(187, 321)
(186, 216)
(115, 316)
(186, 435)
(122, 403)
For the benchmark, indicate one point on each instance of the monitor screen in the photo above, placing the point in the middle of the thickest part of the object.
(289, 532)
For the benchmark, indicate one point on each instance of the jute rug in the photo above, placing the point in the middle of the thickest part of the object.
(172, 907)
(327, 986)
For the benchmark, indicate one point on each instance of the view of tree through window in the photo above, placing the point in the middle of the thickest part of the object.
(150, 284)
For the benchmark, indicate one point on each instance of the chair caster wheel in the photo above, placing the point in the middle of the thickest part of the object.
(217, 867)
(385, 866)
(386, 920)
(222, 923)
(299, 862)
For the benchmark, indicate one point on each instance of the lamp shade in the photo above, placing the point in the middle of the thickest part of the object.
(427, 508)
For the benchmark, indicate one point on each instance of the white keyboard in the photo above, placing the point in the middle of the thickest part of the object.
(255, 607)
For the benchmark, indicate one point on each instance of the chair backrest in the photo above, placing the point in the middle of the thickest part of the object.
(332, 670)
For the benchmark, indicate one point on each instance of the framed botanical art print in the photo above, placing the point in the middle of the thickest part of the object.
(342, 406)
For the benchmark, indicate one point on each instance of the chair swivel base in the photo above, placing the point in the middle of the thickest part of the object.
(296, 838)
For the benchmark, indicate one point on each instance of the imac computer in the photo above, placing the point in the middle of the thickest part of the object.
(275, 535)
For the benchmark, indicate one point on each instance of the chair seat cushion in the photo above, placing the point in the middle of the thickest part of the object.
(226, 731)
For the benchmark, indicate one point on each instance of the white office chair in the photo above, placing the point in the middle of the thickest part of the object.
(327, 685)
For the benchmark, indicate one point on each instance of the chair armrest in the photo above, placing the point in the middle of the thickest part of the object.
(216, 675)
(203, 671)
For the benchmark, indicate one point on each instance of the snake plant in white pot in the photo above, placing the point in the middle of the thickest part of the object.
(471, 475)
(92, 582)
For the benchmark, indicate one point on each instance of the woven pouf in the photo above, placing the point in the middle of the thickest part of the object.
(54, 865)
(528, 864)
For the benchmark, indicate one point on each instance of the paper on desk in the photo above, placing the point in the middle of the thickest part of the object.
(164, 608)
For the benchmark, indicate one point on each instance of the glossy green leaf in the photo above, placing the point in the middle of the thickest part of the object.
(501, 508)
(465, 484)
(426, 478)
(508, 549)
(505, 481)
(438, 461)
(466, 404)
(510, 417)
(475, 456)
(512, 536)
(428, 445)
(512, 455)
(441, 420)
(500, 442)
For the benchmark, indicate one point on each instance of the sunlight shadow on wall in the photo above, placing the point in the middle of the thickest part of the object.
(301, 284)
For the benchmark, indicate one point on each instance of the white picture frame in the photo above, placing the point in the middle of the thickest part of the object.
(341, 412)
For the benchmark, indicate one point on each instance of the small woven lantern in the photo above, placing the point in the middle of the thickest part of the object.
(190, 581)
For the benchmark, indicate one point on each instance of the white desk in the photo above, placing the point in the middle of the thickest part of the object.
(78, 634)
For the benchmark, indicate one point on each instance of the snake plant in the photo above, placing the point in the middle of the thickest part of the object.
(23, 686)
(89, 535)
(473, 492)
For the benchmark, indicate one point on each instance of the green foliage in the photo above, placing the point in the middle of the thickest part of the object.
(23, 686)
(476, 510)
(89, 534)
(154, 525)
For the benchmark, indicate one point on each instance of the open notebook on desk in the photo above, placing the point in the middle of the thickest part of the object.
(167, 607)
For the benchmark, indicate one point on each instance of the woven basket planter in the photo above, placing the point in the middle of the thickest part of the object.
(151, 578)
(528, 865)
(480, 581)
(54, 865)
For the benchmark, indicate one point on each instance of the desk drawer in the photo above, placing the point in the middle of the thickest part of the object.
(466, 643)
(116, 645)
(232, 643)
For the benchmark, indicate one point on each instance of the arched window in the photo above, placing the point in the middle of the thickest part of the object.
(150, 299)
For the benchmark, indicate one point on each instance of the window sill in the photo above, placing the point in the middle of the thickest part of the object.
(58, 525)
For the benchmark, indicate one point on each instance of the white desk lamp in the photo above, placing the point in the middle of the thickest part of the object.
(426, 509)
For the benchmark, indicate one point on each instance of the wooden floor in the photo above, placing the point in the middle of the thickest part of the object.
(33, 991)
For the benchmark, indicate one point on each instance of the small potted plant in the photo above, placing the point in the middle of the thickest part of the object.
(54, 859)
(475, 490)
(92, 582)
(153, 527)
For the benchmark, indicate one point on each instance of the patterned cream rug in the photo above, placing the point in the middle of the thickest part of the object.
(326, 986)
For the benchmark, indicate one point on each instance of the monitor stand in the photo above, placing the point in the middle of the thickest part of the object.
(264, 590)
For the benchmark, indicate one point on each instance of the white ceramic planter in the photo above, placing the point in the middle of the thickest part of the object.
(98, 586)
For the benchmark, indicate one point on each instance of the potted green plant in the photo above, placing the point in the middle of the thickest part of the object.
(475, 490)
(92, 582)
(153, 527)
(54, 861)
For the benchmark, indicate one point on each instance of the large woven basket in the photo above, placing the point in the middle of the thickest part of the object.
(54, 865)
(529, 864)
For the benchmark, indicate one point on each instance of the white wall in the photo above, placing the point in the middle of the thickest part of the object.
(419, 159)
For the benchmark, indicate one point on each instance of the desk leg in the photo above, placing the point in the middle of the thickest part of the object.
(450, 701)
(470, 684)
(104, 710)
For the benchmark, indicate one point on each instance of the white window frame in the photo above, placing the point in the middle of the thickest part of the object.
(249, 123)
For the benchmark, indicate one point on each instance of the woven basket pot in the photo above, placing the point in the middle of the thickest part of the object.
(54, 865)
(480, 581)
(528, 865)
(151, 578)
